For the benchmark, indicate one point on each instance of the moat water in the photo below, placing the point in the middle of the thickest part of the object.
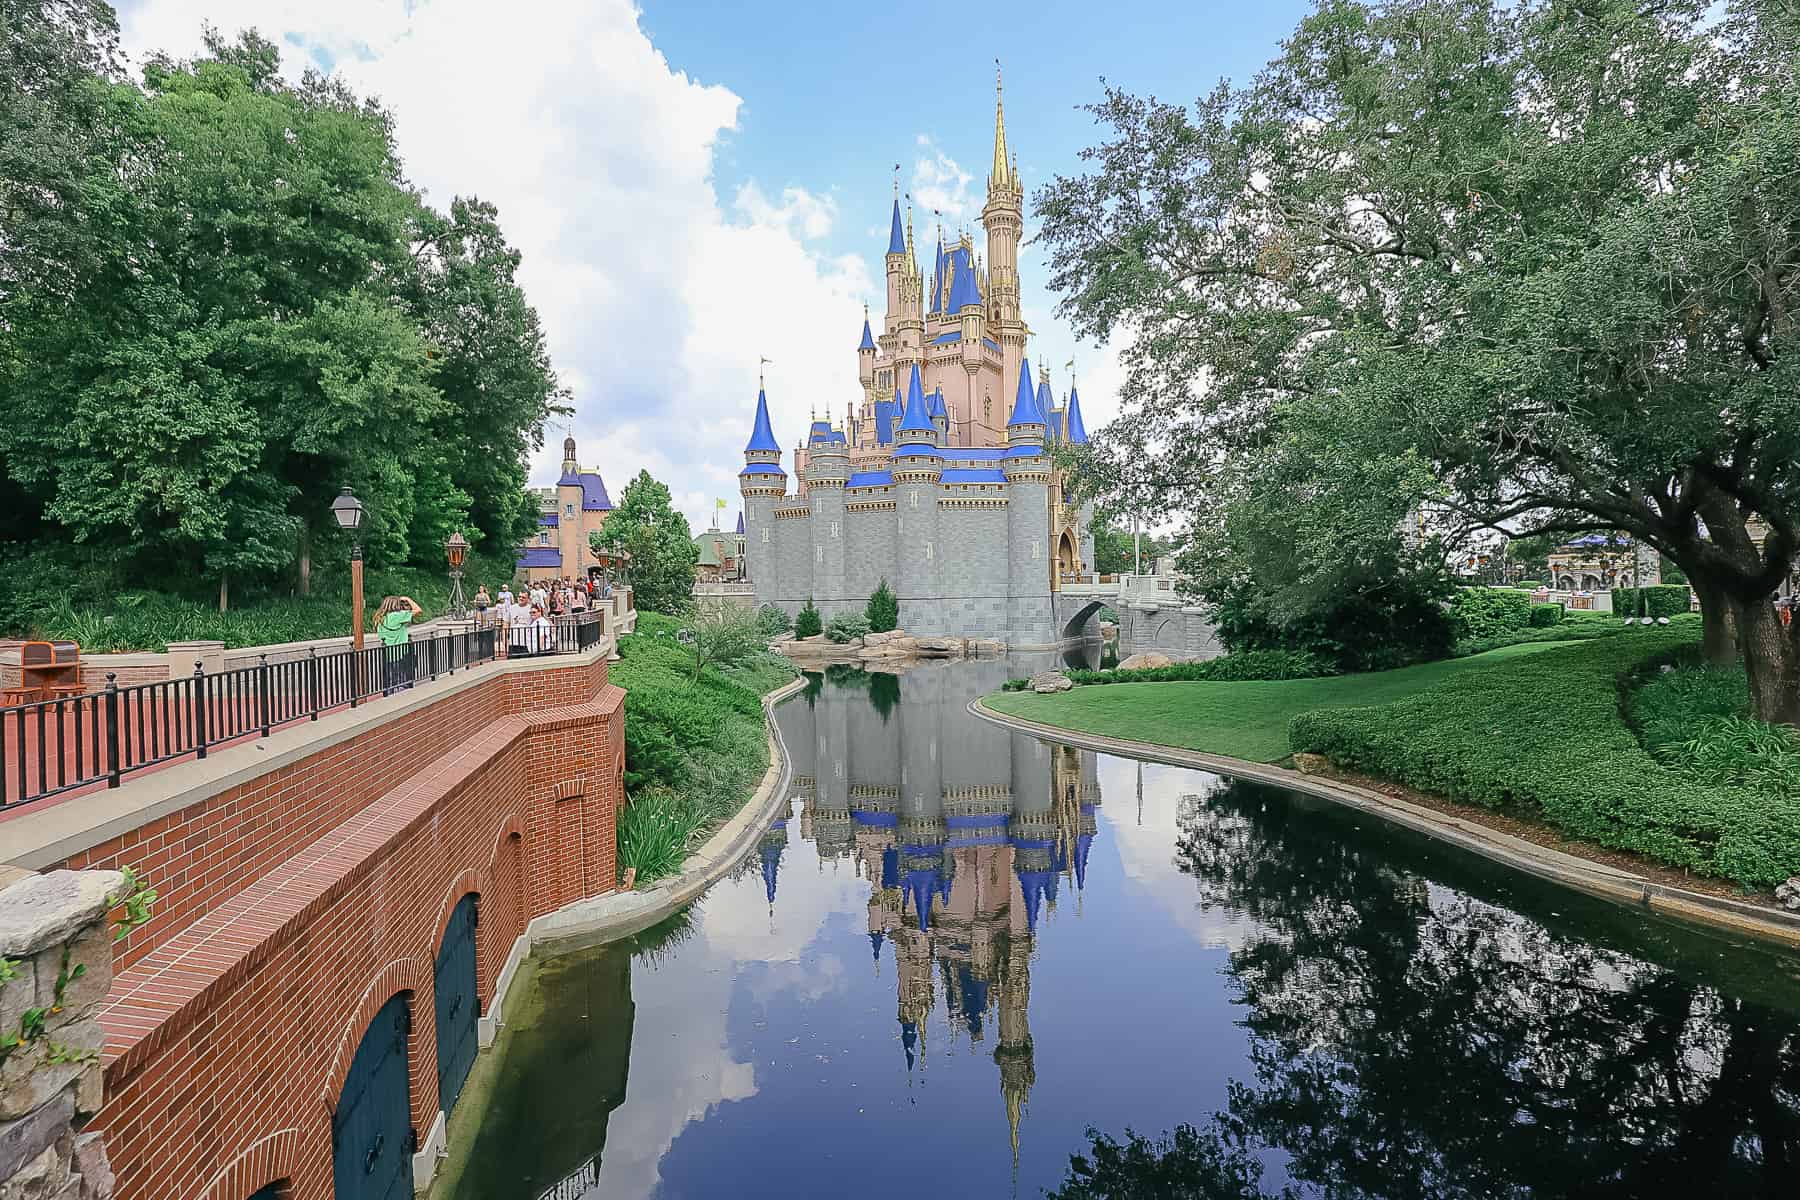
(967, 958)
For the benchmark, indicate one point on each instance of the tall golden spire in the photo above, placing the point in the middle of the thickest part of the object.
(999, 178)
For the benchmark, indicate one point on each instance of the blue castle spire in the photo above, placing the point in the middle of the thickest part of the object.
(1026, 410)
(761, 436)
(868, 340)
(917, 417)
(897, 234)
(1077, 431)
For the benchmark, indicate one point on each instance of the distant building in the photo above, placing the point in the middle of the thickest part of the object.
(720, 555)
(1600, 562)
(577, 506)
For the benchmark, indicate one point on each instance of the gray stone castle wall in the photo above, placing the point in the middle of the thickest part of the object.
(959, 569)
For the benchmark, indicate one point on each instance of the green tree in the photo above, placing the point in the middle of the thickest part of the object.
(1527, 267)
(809, 623)
(646, 526)
(1117, 551)
(883, 610)
(726, 638)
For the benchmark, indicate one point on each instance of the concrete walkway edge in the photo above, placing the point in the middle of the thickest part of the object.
(1567, 870)
(607, 918)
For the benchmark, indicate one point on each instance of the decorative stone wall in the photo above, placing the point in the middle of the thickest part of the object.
(55, 970)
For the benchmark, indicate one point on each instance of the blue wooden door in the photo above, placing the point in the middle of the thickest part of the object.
(371, 1132)
(457, 1003)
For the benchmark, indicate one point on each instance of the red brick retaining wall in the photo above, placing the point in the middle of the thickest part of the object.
(295, 905)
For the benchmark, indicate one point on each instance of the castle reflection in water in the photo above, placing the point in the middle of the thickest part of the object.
(967, 833)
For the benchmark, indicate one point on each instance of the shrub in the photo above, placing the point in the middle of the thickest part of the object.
(1484, 612)
(1662, 600)
(883, 610)
(1544, 615)
(1544, 734)
(1669, 706)
(1739, 751)
(1377, 627)
(846, 627)
(772, 620)
(1529, 585)
(808, 623)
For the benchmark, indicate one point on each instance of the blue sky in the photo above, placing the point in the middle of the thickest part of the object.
(695, 185)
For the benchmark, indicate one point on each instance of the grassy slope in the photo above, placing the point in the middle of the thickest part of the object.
(1241, 720)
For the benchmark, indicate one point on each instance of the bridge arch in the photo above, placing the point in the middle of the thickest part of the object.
(1073, 628)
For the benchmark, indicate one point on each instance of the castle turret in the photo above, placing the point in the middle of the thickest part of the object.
(916, 467)
(865, 359)
(1004, 219)
(1027, 466)
(827, 469)
(896, 262)
(762, 483)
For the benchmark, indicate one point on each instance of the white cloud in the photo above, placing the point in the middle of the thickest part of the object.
(657, 300)
(940, 184)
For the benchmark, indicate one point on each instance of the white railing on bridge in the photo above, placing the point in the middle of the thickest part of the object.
(1152, 589)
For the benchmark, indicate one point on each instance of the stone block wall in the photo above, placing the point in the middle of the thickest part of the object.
(55, 971)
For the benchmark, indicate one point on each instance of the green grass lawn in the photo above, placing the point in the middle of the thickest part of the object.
(1246, 720)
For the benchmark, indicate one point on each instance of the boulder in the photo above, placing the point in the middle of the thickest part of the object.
(1788, 894)
(986, 646)
(1046, 683)
(878, 639)
(883, 650)
(1142, 662)
(941, 647)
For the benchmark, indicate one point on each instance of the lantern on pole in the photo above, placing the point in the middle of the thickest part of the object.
(456, 549)
(347, 511)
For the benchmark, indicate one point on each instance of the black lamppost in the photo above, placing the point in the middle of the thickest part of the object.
(348, 511)
(457, 549)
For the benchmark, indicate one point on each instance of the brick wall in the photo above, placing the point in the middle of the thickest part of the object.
(293, 906)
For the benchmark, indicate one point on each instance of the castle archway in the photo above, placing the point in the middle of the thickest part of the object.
(1068, 556)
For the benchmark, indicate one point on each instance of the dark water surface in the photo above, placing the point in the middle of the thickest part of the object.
(965, 949)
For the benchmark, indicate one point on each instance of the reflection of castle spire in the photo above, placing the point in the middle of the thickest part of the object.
(1013, 1054)
(773, 842)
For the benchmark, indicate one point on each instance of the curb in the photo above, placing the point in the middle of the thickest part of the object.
(607, 918)
(1595, 879)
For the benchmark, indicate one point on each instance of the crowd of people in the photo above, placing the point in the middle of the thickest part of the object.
(527, 615)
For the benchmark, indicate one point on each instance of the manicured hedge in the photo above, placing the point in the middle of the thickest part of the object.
(1662, 600)
(1544, 615)
(1483, 612)
(1543, 734)
(1236, 668)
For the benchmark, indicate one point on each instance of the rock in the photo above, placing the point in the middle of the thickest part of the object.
(942, 647)
(883, 650)
(1141, 662)
(880, 639)
(986, 646)
(1788, 894)
(46, 910)
(1311, 764)
(1046, 683)
(26, 1138)
(91, 1164)
(29, 1080)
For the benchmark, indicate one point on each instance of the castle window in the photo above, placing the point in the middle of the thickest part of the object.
(543, 539)
(765, 533)
(1037, 549)
(915, 498)
(927, 551)
(834, 529)
(818, 554)
(568, 510)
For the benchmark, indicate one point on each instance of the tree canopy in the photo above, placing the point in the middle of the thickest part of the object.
(221, 301)
(1529, 267)
(647, 526)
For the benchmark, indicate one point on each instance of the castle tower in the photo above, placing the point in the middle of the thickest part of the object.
(916, 467)
(1027, 466)
(827, 469)
(1004, 219)
(1075, 433)
(1014, 1053)
(895, 262)
(865, 360)
(762, 484)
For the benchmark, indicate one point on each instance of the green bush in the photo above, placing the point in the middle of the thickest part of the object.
(1529, 585)
(1485, 612)
(808, 623)
(1543, 734)
(846, 627)
(1669, 706)
(772, 620)
(1391, 623)
(1562, 631)
(1240, 667)
(694, 748)
(883, 609)
(1662, 600)
(1545, 615)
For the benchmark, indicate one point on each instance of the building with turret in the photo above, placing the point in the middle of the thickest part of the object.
(567, 513)
(940, 479)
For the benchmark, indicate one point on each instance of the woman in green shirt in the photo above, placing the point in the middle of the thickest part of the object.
(391, 621)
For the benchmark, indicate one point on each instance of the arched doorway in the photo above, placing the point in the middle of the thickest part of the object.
(458, 1003)
(371, 1131)
(1068, 556)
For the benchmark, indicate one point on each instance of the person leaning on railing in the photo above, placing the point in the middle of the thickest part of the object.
(391, 626)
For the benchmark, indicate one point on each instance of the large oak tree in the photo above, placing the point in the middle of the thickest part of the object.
(1532, 267)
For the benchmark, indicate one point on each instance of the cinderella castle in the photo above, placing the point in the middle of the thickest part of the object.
(941, 480)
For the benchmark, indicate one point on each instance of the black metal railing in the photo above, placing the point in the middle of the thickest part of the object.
(56, 746)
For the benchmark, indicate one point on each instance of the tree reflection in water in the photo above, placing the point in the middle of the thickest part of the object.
(1409, 1040)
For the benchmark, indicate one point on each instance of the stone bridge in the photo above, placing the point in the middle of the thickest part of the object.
(1152, 615)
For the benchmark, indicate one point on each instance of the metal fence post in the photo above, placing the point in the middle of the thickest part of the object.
(262, 687)
(199, 709)
(112, 730)
(312, 683)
